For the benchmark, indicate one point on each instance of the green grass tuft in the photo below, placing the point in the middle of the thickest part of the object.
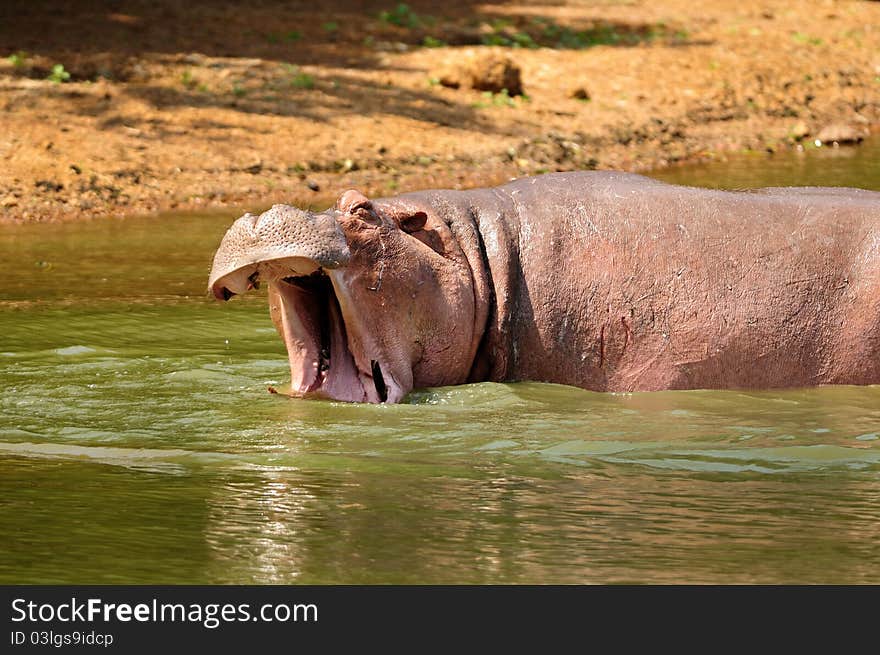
(58, 74)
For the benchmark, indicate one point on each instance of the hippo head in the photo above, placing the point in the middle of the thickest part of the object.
(371, 298)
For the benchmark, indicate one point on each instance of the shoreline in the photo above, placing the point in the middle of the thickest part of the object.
(371, 184)
(145, 126)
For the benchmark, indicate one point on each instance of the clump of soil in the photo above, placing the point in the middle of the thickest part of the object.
(492, 72)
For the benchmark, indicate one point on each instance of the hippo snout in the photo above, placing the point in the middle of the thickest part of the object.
(282, 238)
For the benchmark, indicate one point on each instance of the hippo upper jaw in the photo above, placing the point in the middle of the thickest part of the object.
(279, 242)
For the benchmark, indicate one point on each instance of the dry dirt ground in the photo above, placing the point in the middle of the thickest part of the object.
(111, 107)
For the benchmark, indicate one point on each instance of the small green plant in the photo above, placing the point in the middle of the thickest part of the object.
(277, 37)
(502, 35)
(560, 36)
(238, 90)
(434, 81)
(522, 40)
(17, 59)
(303, 81)
(604, 35)
(500, 99)
(800, 37)
(431, 42)
(503, 99)
(187, 79)
(330, 26)
(58, 74)
(495, 39)
(299, 79)
(402, 16)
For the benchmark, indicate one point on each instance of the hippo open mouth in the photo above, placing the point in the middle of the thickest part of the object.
(318, 347)
(331, 346)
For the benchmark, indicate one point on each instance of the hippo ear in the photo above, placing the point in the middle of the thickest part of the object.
(350, 201)
(409, 218)
(412, 222)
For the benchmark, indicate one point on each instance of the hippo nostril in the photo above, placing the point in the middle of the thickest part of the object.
(254, 280)
(227, 294)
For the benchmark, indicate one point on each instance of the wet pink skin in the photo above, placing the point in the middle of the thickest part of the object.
(606, 281)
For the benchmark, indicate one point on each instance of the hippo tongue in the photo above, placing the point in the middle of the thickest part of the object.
(342, 380)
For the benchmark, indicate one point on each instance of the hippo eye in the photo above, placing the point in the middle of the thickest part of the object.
(366, 214)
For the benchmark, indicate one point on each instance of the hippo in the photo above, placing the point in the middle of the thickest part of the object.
(603, 280)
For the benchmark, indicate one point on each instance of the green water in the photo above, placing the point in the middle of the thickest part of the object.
(825, 166)
(138, 444)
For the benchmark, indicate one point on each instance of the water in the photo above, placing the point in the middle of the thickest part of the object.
(138, 444)
(825, 166)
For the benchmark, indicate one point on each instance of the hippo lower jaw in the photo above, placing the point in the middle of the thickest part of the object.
(327, 355)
